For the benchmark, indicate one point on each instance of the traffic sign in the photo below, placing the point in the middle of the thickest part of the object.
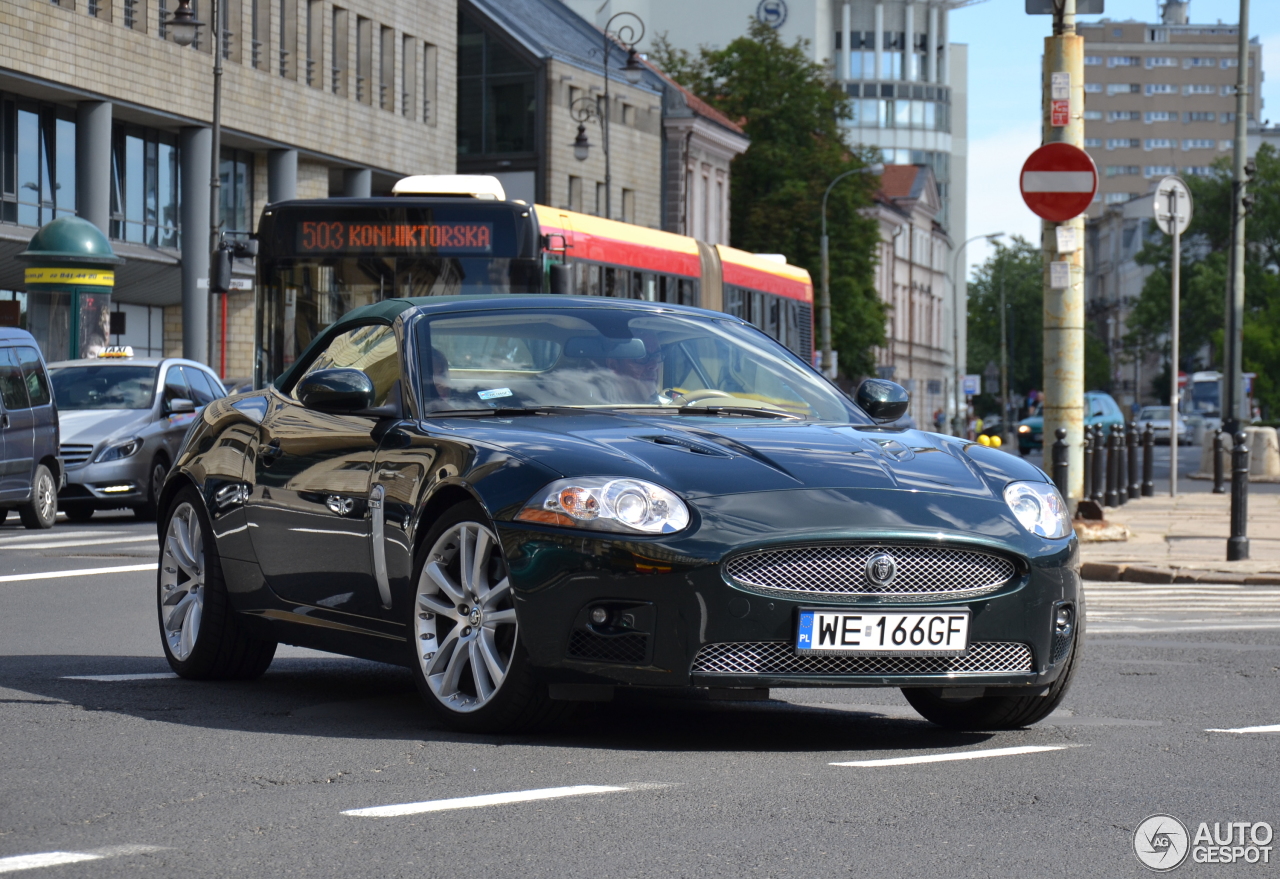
(1058, 182)
(971, 383)
(1173, 205)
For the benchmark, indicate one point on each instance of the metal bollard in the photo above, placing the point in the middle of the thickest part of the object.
(1238, 543)
(1113, 466)
(1135, 480)
(1148, 461)
(1099, 464)
(1219, 482)
(1122, 466)
(1087, 447)
(1060, 461)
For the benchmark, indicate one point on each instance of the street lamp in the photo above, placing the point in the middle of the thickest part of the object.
(957, 423)
(824, 304)
(583, 110)
(184, 26)
(626, 35)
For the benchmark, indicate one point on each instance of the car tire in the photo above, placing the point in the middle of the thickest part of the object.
(150, 508)
(79, 512)
(42, 511)
(202, 635)
(489, 688)
(999, 707)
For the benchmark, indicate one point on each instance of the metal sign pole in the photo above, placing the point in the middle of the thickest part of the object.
(1174, 402)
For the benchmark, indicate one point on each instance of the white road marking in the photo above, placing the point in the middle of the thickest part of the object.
(62, 544)
(157, 676)
(954, 755)
(78, 572)
(28, 538)
(1132, 608)
(1275, 727)
(53, 859)
(523, 796)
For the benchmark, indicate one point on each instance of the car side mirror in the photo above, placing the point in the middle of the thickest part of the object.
(883, 400)
(180, 407)
(340, 391)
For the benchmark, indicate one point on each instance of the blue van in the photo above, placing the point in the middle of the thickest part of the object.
(30, 470)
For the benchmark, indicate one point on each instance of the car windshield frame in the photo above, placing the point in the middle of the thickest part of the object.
(139, 370)
(579, 358)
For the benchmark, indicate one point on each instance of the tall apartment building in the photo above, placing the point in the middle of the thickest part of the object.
(102, 115)
(1160, 99)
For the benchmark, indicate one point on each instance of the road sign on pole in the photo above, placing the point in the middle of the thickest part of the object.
(1173, 216)
(1058, 181)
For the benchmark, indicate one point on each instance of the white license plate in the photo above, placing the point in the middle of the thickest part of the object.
(848, 632)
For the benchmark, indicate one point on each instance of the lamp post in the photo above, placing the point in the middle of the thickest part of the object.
(627, 36)
(184, 27)
(957, 423)
(824, 303)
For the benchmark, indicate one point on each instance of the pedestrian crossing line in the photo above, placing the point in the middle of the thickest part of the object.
(110, 679)
(16, 863)
(1275, 727)
(524, 796)
(77, 572)
(68, 535)
(66, 544)
(954, 755)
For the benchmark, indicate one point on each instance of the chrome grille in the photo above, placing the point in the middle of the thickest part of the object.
(780, 658)
(1061, 647)
(74, 453)
(840, 570)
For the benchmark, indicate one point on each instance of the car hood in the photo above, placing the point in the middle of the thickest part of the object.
(91, 426)
(721, 456)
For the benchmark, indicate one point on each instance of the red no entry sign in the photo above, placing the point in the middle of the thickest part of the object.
(1058, 181)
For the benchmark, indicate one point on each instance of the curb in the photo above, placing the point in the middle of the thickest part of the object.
(1111, 572)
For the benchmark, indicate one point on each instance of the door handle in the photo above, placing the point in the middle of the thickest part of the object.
(4, 420)
(270, 453)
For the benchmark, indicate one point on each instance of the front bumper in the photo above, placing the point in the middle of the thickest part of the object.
(692, 626)
(102, 484)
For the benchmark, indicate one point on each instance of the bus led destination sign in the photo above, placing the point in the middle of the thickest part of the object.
(346, 237)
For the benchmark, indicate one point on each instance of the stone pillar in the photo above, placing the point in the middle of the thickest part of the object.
(935, 67)
(93, 163)
(879, 46)
(282, 175)
(196, 146)
(846, 43)
(909, 72)
(357, 182)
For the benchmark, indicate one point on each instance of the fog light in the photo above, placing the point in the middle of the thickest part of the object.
(1062, 620)
(116, 489)
(599, 616)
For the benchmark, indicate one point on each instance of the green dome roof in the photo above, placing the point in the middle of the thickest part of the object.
(70, 240)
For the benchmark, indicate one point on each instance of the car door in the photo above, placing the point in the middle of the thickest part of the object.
(308, 509)
(174, 425)
(18, 422)
(44, 417)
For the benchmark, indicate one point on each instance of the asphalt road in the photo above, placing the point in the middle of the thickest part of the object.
(113, 767)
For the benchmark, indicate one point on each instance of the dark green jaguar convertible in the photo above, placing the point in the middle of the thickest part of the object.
(531, 502)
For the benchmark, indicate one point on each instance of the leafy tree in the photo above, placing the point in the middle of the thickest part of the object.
(791, 110)
(1019, 269)
(1205, 267)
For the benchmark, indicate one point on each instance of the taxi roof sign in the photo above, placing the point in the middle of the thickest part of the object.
(116, 351)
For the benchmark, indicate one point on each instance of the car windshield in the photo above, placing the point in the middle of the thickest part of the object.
(1154, 413)
(604, 358)
(106, 386)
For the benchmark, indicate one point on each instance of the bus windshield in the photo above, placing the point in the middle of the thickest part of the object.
(320, 259)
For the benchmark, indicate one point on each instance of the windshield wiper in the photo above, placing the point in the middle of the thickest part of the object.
(744, 411)
(503, 411)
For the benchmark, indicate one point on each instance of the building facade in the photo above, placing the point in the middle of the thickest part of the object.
(102, 115)
(1160, 99)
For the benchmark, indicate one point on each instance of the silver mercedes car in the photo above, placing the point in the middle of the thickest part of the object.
(123, 420)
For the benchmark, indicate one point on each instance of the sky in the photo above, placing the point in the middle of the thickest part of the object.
(1005, 45)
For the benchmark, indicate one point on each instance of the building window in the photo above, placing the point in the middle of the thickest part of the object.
(1116, 197)
(341, 37)
(1198, 116)
(1092, 88)
(1122, 143)
(132, 19)
(387, 69)
(1093, 115)
(1092, 60)
(496, 99)
(364, 60)
(575, 193)
(1093, 143)
(429, 83)
(1123, 88)
(1159, 116)
(38, 159)
(600, 200)
(408, 76)
(315, 44)
(1161, 61)
(1198, 143)
(1123, 170)
(1124, 61)
(288, 54)
(1157, 143)
(1198, 171)
(259, 26)
(628, 205)
(144, 186)
(235, 194)
(1161, 88)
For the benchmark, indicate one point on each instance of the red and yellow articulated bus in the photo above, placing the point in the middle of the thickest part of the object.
(320, 258)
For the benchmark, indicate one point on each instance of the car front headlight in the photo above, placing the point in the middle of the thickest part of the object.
(1024, 428)
(600, 503)
(116, 451)
(1039, 507)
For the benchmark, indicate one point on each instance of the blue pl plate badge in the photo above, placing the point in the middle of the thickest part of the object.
(805, 640)
(494, 394)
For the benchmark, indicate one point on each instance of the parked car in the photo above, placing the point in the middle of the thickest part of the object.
(123, 420)
(30, 471)
(1099, 408)
(1158, 418)
(528, 502)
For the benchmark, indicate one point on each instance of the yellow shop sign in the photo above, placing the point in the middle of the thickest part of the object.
(82, 277)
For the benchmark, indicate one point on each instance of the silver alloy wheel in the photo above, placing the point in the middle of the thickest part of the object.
(158, 472)
(182, 581)
(45, 497)
(464, 618)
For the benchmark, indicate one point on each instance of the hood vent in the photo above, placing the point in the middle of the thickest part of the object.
(666, 439)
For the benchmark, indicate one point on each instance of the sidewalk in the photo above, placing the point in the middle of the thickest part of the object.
(1184, 540)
